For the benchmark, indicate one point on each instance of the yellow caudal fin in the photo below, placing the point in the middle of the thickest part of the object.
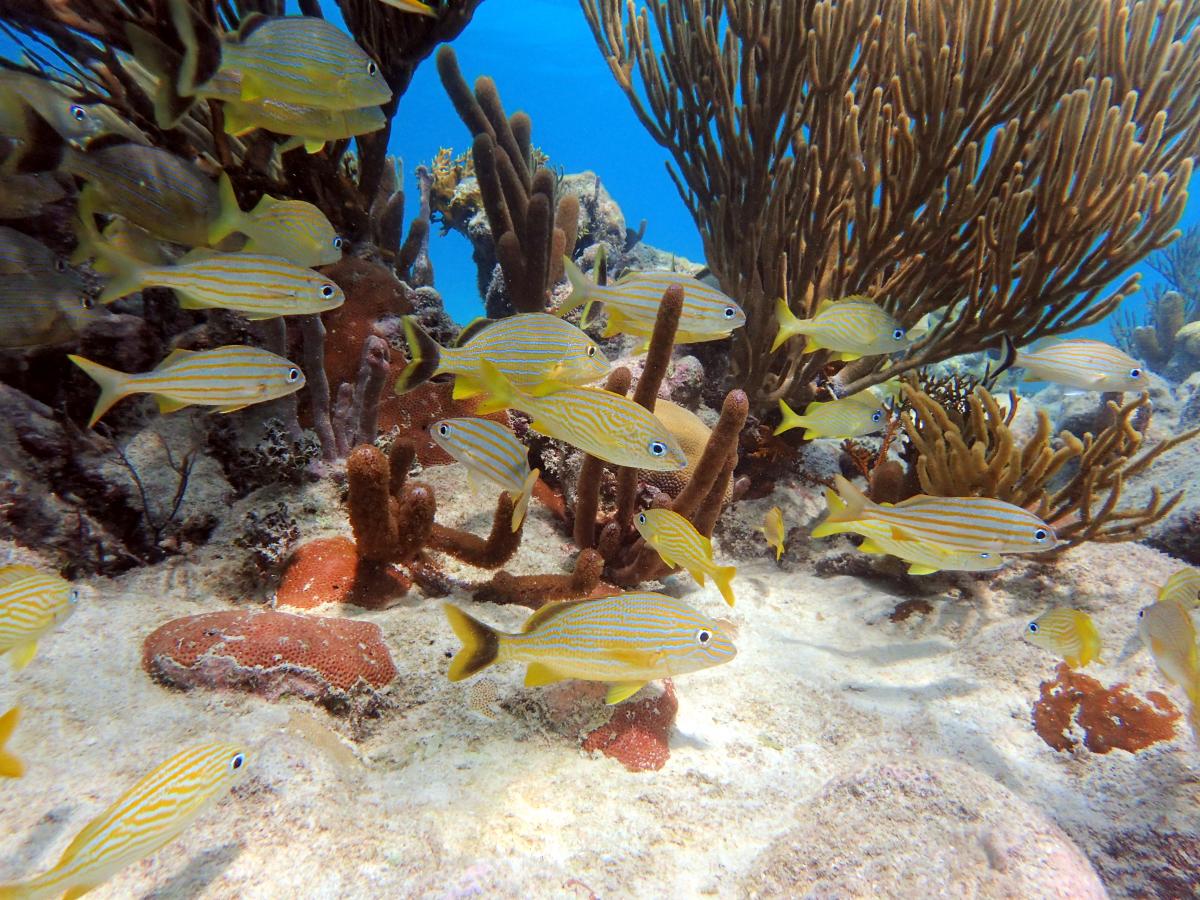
(521, 499)
(789, 325)
(845, 506)
(723, 578)
(165, 64)
(128, 272)
(581, 287)
(480, 644)
(424, 357)
(230, 217)
(10, 766)
(114, 385)
(500, 391)
(791, 419)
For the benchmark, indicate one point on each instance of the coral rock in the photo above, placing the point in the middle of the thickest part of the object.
(636, 735)
(339, 663)
(1111, 718)
(328, 570)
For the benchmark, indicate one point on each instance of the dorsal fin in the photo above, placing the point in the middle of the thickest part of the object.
(548, 612)
(176, 355)
(9, 574)
(251, 24)
(472, 329)
(825, 304)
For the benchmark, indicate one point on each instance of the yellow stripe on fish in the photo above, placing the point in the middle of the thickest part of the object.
(679, 544)
(532, 350)
(607, 425)
(10, 765)
(294, 230)
(963, 523)
(492, 451)
(852, 327)
(773, 530)
(229, 378)
(310, 126)
(1067, 632)
(1169, 634)
(632, 304)
(144, 819)
(1183, 587)
(625, 640)
(32, 603)
(847, 417)
(1084, 363)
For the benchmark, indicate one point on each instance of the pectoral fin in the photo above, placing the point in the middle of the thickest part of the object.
(623, 691)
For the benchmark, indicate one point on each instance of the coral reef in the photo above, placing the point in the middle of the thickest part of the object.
(1110, 718)
(636, 735)
(338, 663)
(916, 153)
(1166, 336)
(329, 570)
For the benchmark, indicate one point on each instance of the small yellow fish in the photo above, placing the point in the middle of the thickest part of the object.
(492, 451)
(846, 417)
(773, 530)
(412, 6)
(292, 229)
(10, 766)
(680, 544)
(626, 640)
(144, 819)
(229, 378)
(57, 106)
(1069, 633)
(632, 302)
(852, 327)
(958, 523)
(531, 350)
(1169, 633)
(1085, 364)
(308, 127)
(1183, 587)
(31, 605)
(606, 425)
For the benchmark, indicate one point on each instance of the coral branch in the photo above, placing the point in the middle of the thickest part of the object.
(535, 591)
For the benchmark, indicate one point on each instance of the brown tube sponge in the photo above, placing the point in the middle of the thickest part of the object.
(534, 591)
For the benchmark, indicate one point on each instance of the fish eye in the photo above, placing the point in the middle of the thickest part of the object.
(293, 375)
(730, 312)
(238, 761)
(371, 67)
(87, 303)
(703, 636)
(443, 429)
(876, 416)
(1040, 535)
(898, 334)
(657, 448)
(1141, 614)
(338, 243)
(641, 518)
(60, 265)
(1135, 373)
(73, 596)
(327, 291)
(78, 113)
(591, 351)
(1033, 627)
(985, 556)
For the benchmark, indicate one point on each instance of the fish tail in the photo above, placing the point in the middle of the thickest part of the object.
(789, 324)
(164, 64)
(501, 393)
(791, 419)
(480, 644)
(114, 385)
(581, 288)
(521, 499)
(129, 273)
(10, 766)
(230, 217)
(723, 577)
(185, 28)
(424, 357)
(846, 504)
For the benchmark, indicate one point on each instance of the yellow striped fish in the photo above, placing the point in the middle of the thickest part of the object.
(626, 640)
(229, 378)
(924, 558)
(57, 106)
(1069, 633)
(852, 327)
(531, 350)
(1169, 634)
(10, 765)
(490, 450)
(606, 425)
(144, 819)
(679, 544)
(168, 196)
(962, 523)
(31, 605)
(846, 417)
(310, 127)
(1084, 363)
(632, 304)
(773, 530)
(292, 229)
(1183, 587)
(412, 6)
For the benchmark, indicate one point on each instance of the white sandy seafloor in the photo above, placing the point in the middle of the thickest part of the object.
(838, 755)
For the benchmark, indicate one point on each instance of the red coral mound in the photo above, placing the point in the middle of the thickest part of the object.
(338, 663)
(1111, 718)
(636, 735)
(328, 570)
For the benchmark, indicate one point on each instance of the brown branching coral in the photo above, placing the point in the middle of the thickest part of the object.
(530, 228)
(1074, 484)
(1008, 160)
